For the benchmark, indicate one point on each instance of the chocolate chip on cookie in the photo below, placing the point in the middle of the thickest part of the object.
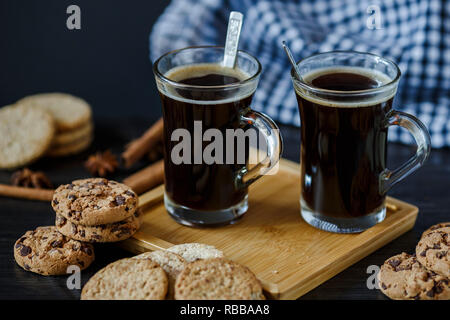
(111, 232)
(96, 201)
(48, 252)
(402, 277)
(433, 251)
(435, 227)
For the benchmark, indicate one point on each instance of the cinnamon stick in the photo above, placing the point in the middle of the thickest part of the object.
(141, 146)
(26, 193)
(146, 178)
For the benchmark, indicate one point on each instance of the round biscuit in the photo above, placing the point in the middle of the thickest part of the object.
(112, 232)
(433, 251)
(25, 135)
(69, 112)
(402, 277)
(73, 136)
(171, 263)
(217, 279)
(436, 226)
(195, 251)
(70, 149)
(95, 201)
(47, 252)
(127, 279)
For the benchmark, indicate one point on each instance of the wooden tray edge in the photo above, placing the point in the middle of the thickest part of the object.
(401, 226)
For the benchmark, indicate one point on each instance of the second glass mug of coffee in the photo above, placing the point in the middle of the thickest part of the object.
(345, 104)
(199, 96)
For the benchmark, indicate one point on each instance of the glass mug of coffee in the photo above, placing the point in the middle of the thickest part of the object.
(345, 103)
(198, 96)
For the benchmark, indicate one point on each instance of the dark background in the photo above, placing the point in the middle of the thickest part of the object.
(107, 63)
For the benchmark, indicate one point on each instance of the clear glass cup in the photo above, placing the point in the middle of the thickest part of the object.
(344, 178)
(205, 193)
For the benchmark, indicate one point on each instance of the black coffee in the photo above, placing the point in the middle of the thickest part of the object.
(343, 147)
(344, 81)
(204, 187)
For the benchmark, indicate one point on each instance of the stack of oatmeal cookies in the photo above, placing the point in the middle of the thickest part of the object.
(48, 124)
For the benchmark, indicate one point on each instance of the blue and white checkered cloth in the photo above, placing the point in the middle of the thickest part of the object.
(413, 33)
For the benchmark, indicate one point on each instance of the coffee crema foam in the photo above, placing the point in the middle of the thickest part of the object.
(376, 98)
(202, 69)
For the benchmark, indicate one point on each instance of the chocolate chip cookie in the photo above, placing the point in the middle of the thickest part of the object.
(217, 279)
(48, 252)
(111, 232)
(402, 277)
(93, 202)
(127, 279)
(433, 251)
(436, 226)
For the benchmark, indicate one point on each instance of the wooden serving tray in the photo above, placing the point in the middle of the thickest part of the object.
(287, 255)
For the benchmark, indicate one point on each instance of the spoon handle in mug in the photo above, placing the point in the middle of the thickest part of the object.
(231, 43)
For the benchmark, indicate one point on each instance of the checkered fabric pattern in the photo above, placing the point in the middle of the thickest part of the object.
(413, 33)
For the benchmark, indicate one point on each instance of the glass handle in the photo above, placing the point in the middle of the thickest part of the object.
(420, 133)
(271, 134)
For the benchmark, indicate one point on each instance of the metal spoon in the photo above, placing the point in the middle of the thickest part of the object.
(231, 44)
(292, 60)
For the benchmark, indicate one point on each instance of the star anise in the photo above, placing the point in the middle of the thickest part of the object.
(101, 164)
(30, 179)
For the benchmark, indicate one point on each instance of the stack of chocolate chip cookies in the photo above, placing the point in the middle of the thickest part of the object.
(96, 210)
(52, 124)
(424, 275)
(87, 211)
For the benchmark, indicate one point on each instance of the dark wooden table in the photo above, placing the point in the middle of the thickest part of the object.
(428, 189)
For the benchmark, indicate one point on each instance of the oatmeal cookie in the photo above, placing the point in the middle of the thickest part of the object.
(196, 251)
(127, 279)
(217, 279)
(171, 263)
